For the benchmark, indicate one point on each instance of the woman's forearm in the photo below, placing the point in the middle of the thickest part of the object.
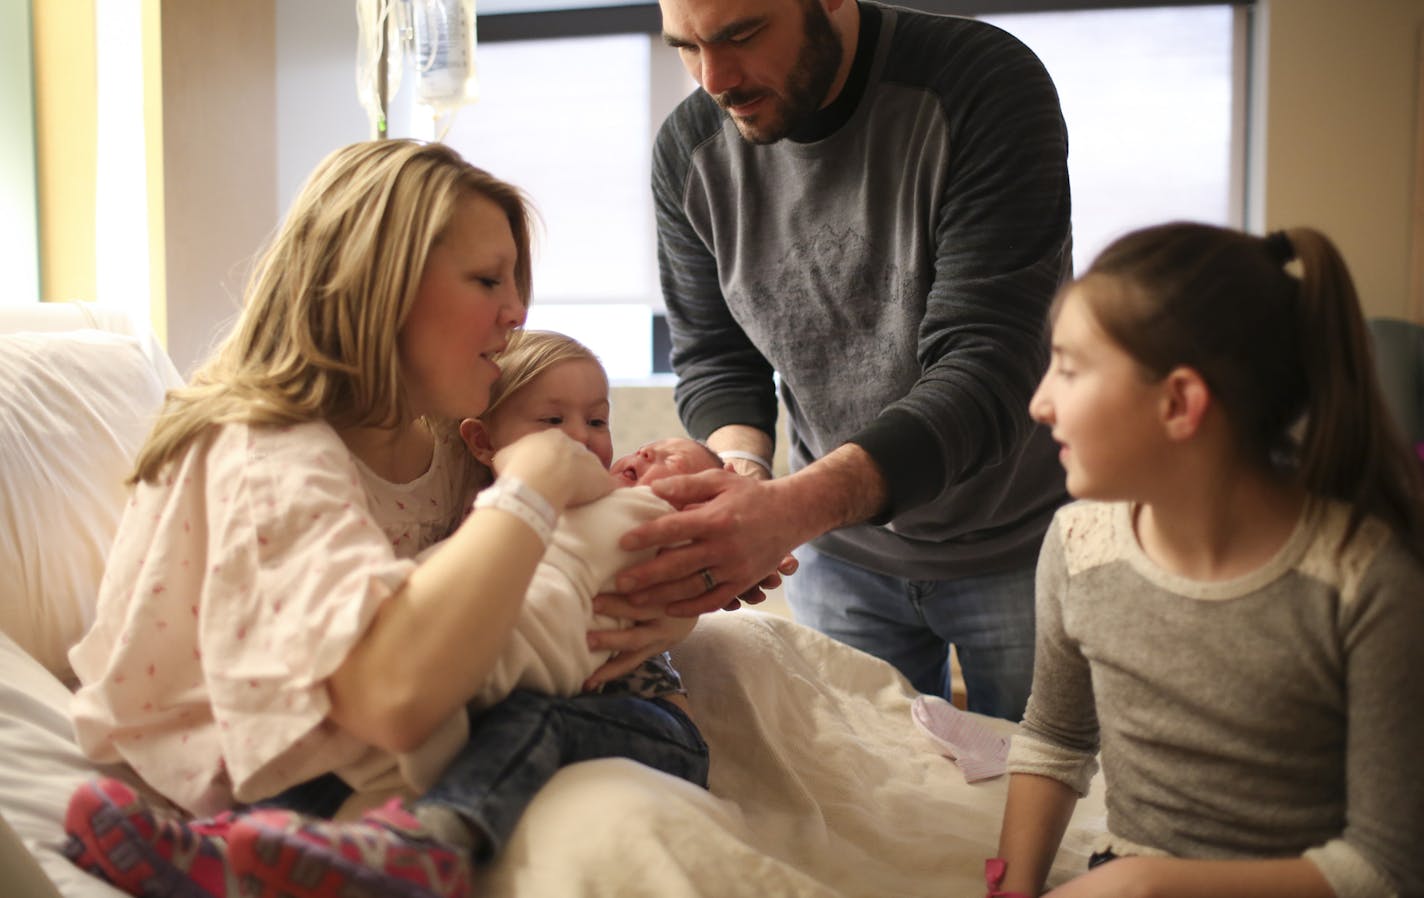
(434, 642)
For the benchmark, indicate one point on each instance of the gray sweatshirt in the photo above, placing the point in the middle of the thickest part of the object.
(1274, 715)
(893, 269)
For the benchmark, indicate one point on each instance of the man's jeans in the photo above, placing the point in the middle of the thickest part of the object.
(912, 623)
(517, 745)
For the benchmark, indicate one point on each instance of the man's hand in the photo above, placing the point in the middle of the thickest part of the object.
(756, 594)
(733, 533)
(733, 537)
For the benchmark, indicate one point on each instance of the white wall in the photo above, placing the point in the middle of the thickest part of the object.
(124, 265)
(1338, 146)
(218, 161)
(317, 109)
(19, 231)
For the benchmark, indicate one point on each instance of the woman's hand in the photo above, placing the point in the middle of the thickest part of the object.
(652, 633)
(560, 469)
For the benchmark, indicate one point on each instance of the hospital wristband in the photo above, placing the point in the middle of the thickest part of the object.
(514, 496)
(728, 454)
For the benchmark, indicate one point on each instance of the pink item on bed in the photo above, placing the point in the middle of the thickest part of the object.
(976, 750)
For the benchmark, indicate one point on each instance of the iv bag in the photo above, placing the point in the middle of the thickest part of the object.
(443, 52)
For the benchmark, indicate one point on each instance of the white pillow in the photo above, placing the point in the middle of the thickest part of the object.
(75, 408)
(42, 768)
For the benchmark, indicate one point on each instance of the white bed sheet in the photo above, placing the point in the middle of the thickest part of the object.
(820, 783)
(820, 786)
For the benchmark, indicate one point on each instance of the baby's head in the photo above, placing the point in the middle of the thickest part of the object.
(547, 380)
(664, 458)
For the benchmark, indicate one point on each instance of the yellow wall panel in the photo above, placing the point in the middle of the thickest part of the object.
(66, 140)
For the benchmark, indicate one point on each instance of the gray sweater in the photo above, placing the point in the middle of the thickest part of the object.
(1273, 715)
(894, 269)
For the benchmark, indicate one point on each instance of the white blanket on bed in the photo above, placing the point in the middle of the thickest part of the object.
(820, 786)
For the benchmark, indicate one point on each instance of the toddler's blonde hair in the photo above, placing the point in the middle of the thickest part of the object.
(529, 354)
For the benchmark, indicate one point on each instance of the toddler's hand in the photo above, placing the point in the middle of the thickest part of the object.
(562, 470)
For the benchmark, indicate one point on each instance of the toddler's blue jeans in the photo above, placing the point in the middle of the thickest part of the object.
(517, 746)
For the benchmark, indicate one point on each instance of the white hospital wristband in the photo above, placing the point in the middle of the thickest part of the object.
(514, 496)
(752, 457)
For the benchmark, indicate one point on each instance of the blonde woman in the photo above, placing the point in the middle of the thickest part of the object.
(264, 635)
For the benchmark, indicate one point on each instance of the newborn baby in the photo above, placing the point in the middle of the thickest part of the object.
(547, 651)
(664, 458)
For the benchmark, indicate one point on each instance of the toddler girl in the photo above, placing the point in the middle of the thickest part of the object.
(550, 381)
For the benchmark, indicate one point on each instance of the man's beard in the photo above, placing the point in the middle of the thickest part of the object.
(806, 86)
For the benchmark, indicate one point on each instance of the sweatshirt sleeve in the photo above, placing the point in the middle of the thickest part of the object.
(1003, 246)
(722, 378)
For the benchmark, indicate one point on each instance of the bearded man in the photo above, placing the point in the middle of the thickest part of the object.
(870, 207)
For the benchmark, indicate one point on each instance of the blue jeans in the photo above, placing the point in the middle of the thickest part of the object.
(517, 746)
(912, 624)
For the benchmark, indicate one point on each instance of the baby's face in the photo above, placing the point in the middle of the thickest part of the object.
(664, 458)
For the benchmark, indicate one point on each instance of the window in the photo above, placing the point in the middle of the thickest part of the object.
(570, 120)
(1150, 96)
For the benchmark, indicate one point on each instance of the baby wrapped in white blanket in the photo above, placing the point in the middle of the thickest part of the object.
(547, 650)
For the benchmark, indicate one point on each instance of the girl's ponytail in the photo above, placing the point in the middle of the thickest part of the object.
(1350, 449)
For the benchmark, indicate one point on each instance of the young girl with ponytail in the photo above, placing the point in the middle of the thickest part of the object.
(1230, 618)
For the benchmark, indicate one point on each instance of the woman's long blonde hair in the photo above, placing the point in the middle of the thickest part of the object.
(317, 335)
